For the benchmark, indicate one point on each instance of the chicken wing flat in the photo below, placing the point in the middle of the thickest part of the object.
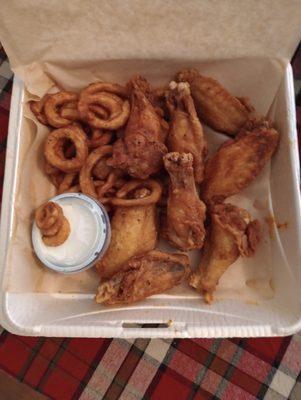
(215, 106)
(231, 234)
(134, 231)
(141, 149)
(185, 214)
(143, 276)
(238, 162)
(186, 132)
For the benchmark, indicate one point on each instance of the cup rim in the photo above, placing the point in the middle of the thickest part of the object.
(99, 251)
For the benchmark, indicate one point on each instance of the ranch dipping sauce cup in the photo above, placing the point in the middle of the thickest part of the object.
(90, 234)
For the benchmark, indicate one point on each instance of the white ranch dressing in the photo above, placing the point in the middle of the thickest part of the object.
(88, 239)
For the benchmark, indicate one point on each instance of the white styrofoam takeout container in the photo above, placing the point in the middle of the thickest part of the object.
(77, 315)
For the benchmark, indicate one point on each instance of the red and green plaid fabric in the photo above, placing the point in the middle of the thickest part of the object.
(93, 369)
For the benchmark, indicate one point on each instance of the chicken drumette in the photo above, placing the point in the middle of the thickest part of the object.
(186, 132)
(185, 214)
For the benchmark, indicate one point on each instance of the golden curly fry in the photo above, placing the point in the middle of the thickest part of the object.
(67, 182)
(47, 214)
(152, 196)
(53, 149)
(85, 177)
(54, 228)
(73, 189)
(52, 108)
(99, 138)
(119, 110)
(97, 87)
(69, 111)
(37, 108)
(101, 170)
(109, 183)
(60, 237)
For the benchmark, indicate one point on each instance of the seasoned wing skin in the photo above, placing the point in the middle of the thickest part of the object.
(143, 276)
(238, 162)
(231, 234)
(186, 132)
(215, 106)
(134, 231)
(141, 149)
(185, 214)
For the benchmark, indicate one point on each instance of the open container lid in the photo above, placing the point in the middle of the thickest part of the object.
(60, 35)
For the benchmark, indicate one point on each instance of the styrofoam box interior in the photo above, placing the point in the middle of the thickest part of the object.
(78, 315)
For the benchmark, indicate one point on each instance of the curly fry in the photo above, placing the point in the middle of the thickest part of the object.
(99, 183)
(73, 189)
(50, 169)
(37, 108)
(69, 111)
(150, 197)
(118, 110)
(96, 87)
(55, 227)
(52, 105)
(100, 111)
(47, 214)
(60, 237)
(119, 183)
(66, 183)
(85, 179)
(54, 143)
(56, 179)
(99, 138)
(112, 178)
(101, 170)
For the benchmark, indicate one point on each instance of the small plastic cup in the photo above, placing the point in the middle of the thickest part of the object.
(90, 235)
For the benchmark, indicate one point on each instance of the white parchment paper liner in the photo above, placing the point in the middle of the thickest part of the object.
(247, 278)
(243, 44)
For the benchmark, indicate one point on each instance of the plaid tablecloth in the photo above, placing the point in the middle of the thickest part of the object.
(90, 369)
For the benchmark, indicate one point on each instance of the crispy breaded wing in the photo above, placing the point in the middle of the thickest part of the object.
(238, 162)
(215, 106)
(140, 151)
(185, 132)
(143, 276)
(231, 234)
(185, 214)
(134, 231)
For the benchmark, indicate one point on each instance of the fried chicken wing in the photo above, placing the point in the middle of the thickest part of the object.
(186, 132)
(185, 214)
(141, 149)
(231, 234)
(143, 276)
(134, 231)
(238, 162)
(215, 106)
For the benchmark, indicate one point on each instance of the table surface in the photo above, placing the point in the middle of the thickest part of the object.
(63, 368)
